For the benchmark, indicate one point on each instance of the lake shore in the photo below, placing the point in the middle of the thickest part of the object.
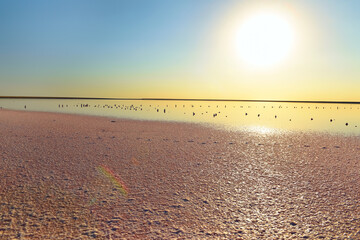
(72, 176)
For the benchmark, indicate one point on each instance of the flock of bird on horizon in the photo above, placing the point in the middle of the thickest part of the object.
(132, 107)
(158, 109)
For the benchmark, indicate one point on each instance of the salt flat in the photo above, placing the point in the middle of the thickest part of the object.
(181, 180)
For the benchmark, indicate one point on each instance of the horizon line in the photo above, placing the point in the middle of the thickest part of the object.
(180, 99)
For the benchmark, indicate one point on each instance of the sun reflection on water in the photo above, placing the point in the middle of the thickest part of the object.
(262, 130)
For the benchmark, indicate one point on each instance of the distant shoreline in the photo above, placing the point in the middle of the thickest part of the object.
(177, 99)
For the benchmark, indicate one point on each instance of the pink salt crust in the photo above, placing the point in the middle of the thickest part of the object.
(183, 181)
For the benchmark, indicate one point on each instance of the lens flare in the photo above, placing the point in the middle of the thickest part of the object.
(114, 179)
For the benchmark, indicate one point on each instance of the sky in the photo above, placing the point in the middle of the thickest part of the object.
(176, 49)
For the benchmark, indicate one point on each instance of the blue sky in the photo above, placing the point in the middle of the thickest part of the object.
(58, 47)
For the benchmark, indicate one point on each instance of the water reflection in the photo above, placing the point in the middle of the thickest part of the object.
(263, 117)
(261, 130)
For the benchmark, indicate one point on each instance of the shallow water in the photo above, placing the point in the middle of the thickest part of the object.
(263, 117)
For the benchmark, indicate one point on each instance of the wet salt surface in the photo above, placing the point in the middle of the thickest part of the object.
(184, 180)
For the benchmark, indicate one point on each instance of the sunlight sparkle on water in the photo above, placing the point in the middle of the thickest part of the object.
(261, 130)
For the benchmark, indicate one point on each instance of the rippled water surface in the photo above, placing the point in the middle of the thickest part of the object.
(254, 116)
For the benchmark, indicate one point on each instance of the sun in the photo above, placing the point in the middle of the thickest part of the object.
(265, 39)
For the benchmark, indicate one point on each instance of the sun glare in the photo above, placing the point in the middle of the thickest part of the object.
(265, 39)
